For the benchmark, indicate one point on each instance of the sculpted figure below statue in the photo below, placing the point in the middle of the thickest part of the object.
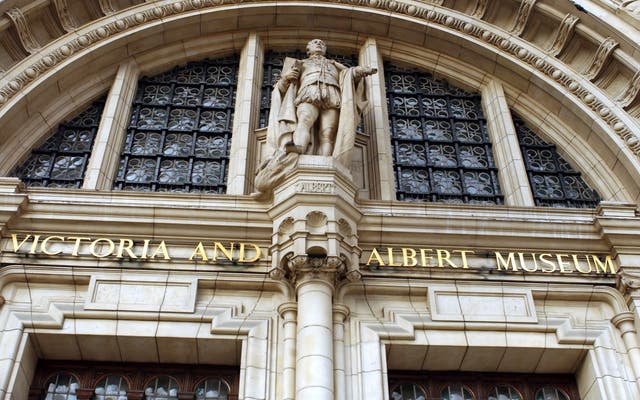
(315, 109)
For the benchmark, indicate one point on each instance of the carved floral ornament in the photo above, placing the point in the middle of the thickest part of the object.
(608, 111)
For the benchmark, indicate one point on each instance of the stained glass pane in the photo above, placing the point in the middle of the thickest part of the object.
(553, 180)
(441, 149)
(61, 160)
(111, 388)
(212, 389)
(180, 131)
(61, 387)
(162, 388)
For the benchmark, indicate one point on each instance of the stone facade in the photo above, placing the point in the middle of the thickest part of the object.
(301, 306)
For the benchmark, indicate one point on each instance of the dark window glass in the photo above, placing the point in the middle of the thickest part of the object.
(180, 131)
(272, 68)
(162, 388)
(550, 393)
(441, 149)
(504, 393)
(61, 161)
(553, 180)
(456, 392)
(408, 391)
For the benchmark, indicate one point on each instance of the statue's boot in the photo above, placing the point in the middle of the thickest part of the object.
(291, 147)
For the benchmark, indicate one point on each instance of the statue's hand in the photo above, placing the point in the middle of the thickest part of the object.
(370, 71)
(292, 75)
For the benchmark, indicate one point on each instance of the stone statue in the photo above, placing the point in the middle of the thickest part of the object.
(315, 109)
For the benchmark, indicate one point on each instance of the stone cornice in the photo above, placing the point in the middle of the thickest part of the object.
(499, 40)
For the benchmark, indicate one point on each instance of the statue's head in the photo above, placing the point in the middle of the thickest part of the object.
(316, 46)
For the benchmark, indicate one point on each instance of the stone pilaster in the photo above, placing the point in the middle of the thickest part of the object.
(288, 312)
(625, 322)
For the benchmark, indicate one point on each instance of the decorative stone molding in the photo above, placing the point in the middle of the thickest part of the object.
(480, 8)
(13, 200)
(67, 19)
(28, 41)
(627, 283)
(522, 17)
(302, 268)
(493, 36)
(631, 93)
(600, 58)
(563, 34)
(106, 6)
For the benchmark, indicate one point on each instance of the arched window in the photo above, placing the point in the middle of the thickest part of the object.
(61, 387)
(61, 160)
(550, 393)
(161, 388)
(408, 391)
(504, 393)
(180, 131)
(553, 180)
(112, 387)
(441, 149)
(456, 392)
(212, 389)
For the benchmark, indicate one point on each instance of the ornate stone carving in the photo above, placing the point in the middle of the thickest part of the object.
(522, 17)
(564, 32)
(315, 109)
(106, 6)
(28, 41)
(626, 98)
(600, 57)
(480, 8)
(65, 17)
(632, 8)
(627, 283)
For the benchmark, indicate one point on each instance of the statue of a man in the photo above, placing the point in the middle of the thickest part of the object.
(315, 109)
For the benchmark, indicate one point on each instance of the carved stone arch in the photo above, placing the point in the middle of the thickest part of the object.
(130, 32)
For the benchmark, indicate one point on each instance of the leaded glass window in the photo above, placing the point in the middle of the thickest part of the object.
(162, 388)
(112, 387)
(179, 135)
(553, 180)
(61, 161)
(212, 389)
(441, 148)
(550, 393)
(504, 393)
(272, 68)
(456, 392)
(61, 387)
(408, 391)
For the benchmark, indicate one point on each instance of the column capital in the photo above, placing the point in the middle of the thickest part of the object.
(288, 310)
(624, 321)
(340, 312)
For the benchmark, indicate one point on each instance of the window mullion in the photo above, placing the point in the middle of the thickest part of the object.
(112, 130)
(506, 149)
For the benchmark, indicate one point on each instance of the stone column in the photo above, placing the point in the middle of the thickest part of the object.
(625, 322)
(340, 313)
(314, 279)
(288, 312)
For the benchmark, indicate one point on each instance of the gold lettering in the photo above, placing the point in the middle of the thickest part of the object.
(501, 263)
(424, 257)
(544, 259)
(242, 253)
(125, 249)
(34, 245)
(444, 255)
(16, 245)
(562, 264)
(607, 262)
(463, 254)
(376, 255)
(76, 246)
(111, 248)
(390, 256)
(45, 250)
(523, 264)
(409, 254)
(162, 248)
(145, 249)
(199, 251)
(227, 253)
(576, 264)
